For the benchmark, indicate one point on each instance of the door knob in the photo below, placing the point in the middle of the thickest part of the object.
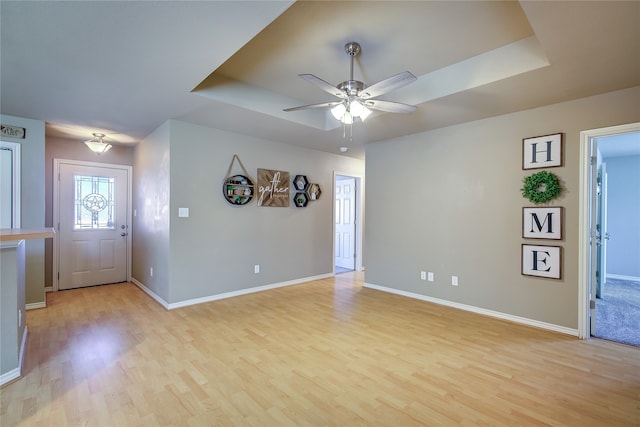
(123, 234)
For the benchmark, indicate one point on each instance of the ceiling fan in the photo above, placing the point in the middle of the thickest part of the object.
(356, 99)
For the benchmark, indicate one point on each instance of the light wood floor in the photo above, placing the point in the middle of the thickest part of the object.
(324, 353)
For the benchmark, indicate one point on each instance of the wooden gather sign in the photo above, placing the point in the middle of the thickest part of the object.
(273, 188)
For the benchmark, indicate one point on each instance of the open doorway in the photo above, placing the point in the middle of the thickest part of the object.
(610, 196)
(347, 220)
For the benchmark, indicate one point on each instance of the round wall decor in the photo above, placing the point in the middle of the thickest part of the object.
(238, 189)
(541, 187)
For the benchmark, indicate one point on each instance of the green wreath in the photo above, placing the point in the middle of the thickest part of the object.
(541, 187)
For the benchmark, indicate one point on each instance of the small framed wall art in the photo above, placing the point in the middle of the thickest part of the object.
(542, 151)
(314, 191)
(542, 261)
(542, 223)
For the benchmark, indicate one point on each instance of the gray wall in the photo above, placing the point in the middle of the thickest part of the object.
(150, 228)
(214, 250)
(32, 200)
(69, 149)
(12, 300)
(449, 201)
(623, 216)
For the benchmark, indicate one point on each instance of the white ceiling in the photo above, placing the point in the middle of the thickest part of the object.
(123, 68)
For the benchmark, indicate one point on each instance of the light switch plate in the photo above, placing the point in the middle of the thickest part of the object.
(183, 212)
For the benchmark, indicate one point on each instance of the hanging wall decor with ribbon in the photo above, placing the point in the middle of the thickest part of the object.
(238, 189)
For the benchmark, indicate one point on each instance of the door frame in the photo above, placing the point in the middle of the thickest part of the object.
(56, 210)
(359, 218)
(16, 195)
(586, 198)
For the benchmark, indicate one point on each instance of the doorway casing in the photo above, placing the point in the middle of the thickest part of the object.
(12, 176)
(359, 217)
(56, 211)
(586, 199)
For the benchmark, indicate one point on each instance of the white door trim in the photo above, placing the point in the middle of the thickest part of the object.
(359, 227)
(584, 264)
(16, 195)
(56, 209)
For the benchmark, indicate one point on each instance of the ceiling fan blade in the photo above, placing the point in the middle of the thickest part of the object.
(324, 85)
(390, 106)
(304, 107)
(387, 85)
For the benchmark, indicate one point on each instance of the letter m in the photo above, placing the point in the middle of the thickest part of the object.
(535, 223)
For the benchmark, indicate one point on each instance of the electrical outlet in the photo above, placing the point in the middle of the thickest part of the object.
(454, 280)
(430, 276)
(256, 269)
(423, 275)
(151, 272)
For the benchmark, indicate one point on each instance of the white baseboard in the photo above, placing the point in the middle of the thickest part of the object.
(10, 376)
(622, 277)
(35, 305)
(246, 291)
(17, 372)
(48, 289)
(186, 303)
(478, 310)
(149, 292)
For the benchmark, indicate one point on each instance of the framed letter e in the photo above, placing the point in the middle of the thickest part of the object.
(542, 261)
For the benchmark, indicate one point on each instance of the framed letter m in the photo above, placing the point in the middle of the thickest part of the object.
(542, 223)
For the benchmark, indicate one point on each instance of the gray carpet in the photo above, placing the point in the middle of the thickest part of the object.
(618, 312)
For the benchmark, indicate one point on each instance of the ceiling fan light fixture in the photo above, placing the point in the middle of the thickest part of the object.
(338, 111)
(347, 119)
(356, 108)
(365, 113)
(357, 99)
(97, 145)
(347, 111)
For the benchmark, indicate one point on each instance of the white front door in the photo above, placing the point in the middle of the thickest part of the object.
(93, 230)
(345, 223)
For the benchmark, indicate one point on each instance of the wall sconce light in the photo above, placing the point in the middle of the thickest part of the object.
(97, 145)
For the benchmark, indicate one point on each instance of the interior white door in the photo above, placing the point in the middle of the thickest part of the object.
(93, 229)
(345, 223)
(594, 235)
(602, 227)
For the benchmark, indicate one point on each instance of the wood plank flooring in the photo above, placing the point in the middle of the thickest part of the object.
(323, 353)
